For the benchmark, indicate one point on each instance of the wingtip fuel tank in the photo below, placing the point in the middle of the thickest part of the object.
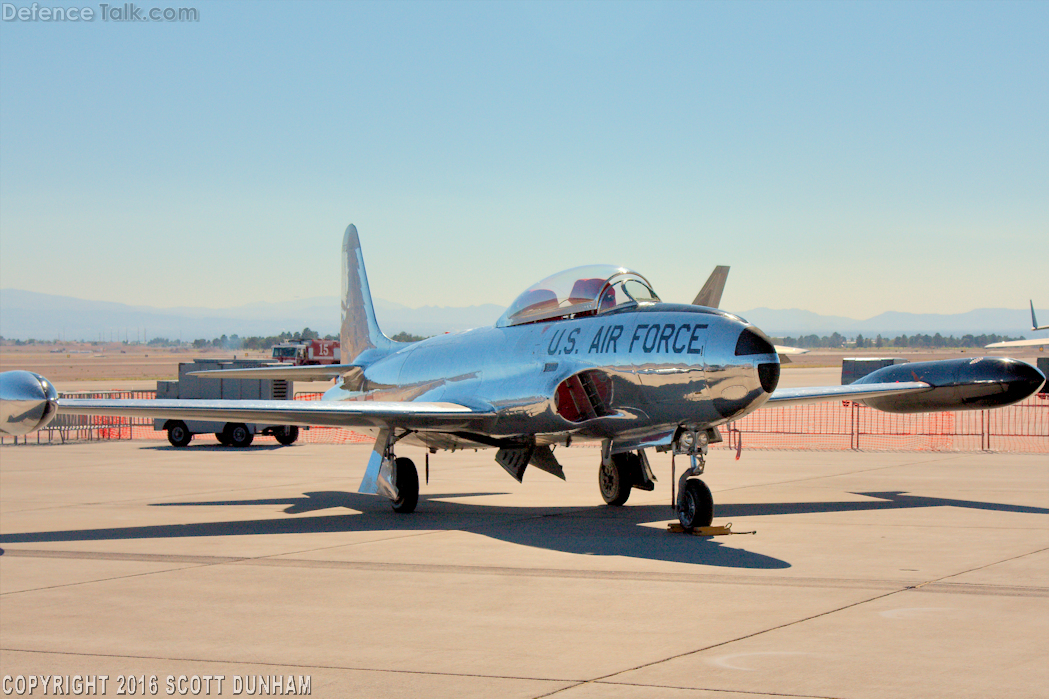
(957, 384)
(28, 402)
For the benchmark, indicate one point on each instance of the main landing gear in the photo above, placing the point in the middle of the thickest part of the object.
(620, 473)
(395, 477)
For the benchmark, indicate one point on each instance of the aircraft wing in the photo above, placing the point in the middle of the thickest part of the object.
(1036, 342)
(819, 394)
(783, 349)
(408, 415)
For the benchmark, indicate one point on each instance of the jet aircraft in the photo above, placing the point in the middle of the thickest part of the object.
(589, 354)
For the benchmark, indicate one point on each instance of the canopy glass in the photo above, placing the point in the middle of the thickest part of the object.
(587, 290)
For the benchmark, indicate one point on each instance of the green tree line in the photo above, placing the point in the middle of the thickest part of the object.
(837, 340)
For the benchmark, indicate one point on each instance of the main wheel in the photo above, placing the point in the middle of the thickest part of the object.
(286, 435)
(616, 477)
(238, 435)
(178, 434)
(406, 480)
(697, 505)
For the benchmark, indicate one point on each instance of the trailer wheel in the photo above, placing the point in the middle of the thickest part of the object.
(286, 435)
(178, 434)
(238, 435)
(223, 440)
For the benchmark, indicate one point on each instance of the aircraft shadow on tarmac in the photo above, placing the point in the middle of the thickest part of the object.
(599, 531)
(216, 447)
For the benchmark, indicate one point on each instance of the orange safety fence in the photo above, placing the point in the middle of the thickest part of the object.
(844, 425)
(1023, 427)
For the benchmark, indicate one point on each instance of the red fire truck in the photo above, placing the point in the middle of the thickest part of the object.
(301, 352)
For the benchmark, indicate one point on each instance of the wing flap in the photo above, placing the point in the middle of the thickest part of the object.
(420, 416)
(819, 394)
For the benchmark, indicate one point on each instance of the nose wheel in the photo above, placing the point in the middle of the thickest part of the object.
(695, 506)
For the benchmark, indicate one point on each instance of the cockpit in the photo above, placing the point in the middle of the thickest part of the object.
(577, 292)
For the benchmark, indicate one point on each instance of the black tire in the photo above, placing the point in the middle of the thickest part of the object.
(178, 434)
(223, 440)
(697, 505)
(616, 478)
(238, 435)
(406, 480)
(286, 435)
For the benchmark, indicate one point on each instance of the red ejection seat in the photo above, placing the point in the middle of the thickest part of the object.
(587, 289)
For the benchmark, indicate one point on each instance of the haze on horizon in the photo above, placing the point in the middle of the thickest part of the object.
(847, 159)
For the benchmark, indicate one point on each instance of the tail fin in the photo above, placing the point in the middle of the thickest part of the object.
(360, 331)
(710, 294)
(1034, 321)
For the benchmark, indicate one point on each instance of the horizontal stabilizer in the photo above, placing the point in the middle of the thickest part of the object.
(321, 372)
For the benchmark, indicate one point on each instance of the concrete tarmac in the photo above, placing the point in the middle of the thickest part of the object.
(870, 575)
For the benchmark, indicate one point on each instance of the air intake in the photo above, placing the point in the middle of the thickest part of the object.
(584, 396)
(750, 342)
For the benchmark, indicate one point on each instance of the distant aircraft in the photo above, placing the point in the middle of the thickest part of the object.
(1035, 342)
(589, 354)
(1034, 321)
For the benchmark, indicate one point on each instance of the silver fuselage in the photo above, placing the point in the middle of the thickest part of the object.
(660, 365)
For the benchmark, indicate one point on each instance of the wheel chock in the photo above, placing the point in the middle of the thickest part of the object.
(725, 530)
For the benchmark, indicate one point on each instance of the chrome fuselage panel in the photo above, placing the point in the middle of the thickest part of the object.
(660, 366)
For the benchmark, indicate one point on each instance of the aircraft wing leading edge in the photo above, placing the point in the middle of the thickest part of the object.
(414, 416)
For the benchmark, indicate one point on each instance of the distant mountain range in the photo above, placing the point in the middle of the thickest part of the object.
(27, 314)
(794, 322)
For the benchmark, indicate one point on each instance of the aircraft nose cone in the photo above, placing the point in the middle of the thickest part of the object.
(1024, 377)
(28, 401)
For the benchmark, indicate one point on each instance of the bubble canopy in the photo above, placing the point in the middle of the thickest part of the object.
(587, 290)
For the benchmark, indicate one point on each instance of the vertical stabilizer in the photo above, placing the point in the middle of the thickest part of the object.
(710, 294)
(360, 331)
(1034, 321)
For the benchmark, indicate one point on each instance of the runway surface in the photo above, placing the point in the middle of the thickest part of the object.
(870, 575)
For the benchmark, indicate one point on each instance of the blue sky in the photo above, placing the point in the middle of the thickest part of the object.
(844, 158)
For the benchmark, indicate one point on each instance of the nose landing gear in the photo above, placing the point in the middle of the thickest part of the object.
(694, 503)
